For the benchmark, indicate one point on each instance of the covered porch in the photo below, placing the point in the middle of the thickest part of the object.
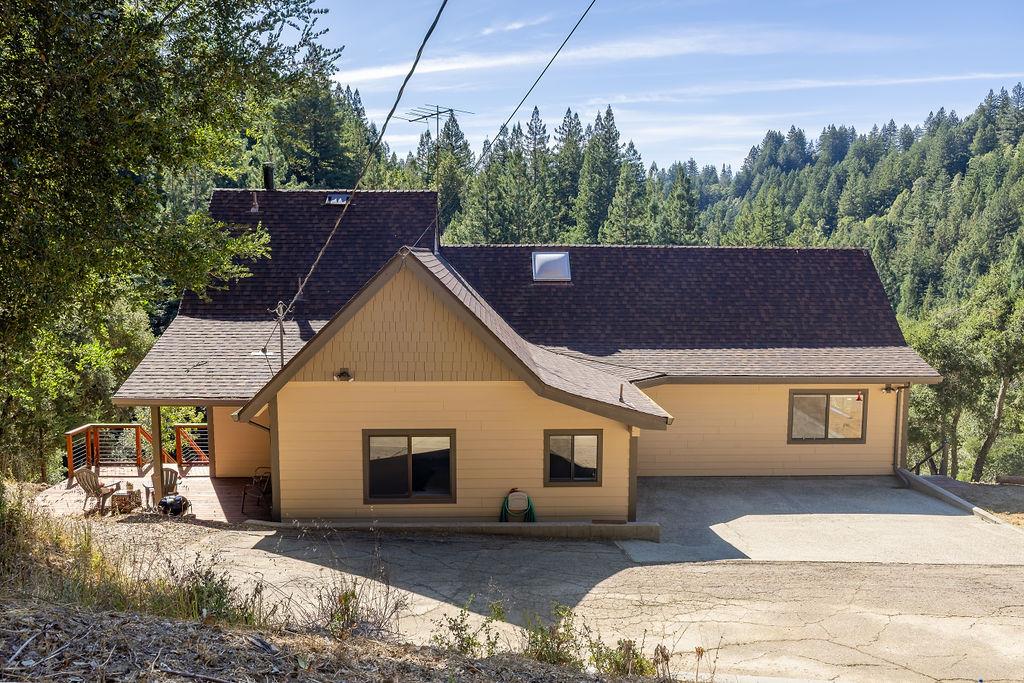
(212, 499)
(122, 454)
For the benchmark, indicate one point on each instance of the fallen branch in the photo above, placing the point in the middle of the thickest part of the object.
(195, 676)
(23, 646)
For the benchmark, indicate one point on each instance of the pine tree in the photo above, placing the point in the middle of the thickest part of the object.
(627, 216)
(599, 177)
(309, 131)
(543, 224)
(678, 221)
(565, 171)
(654, 199)
(452, 170)
(761, 223)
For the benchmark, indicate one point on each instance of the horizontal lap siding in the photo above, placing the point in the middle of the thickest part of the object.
(499, 445)
(741, 429)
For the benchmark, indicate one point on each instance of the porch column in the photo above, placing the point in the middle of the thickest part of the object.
(634, 461)
(158, 450)
(275, 463)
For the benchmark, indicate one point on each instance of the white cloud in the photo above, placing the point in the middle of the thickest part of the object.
(690, 93)
(726, 40)
(514, 25)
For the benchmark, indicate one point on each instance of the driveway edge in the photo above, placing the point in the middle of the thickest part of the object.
(921, 484)
(591, 531)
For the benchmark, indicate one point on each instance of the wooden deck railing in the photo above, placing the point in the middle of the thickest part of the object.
(191, 442)
(124, 443)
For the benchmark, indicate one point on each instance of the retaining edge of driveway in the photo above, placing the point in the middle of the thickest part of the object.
(921, 484)
(610, 531)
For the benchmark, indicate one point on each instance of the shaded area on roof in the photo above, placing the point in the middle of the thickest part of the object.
(377, 224)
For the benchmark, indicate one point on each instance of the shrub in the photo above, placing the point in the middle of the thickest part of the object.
(559, 643)
(454, 633)
(625, 659)
(345, 606)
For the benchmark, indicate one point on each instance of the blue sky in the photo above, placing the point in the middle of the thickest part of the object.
(699, 78)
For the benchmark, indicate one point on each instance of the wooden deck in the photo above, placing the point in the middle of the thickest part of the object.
(213, 499)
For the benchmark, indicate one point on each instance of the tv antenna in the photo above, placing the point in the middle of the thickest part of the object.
(427, 112)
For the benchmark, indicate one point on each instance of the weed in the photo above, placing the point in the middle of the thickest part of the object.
(559, 643)
(455, 634)
(625, 659)
(345, 606)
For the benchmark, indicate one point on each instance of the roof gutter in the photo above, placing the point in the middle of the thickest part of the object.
(149, 401)
(786, 379)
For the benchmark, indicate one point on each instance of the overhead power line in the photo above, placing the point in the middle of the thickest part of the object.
(362, 172)
(517, 107)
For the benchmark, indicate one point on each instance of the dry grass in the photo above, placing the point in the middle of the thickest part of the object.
(1005, 500)
(49, 642)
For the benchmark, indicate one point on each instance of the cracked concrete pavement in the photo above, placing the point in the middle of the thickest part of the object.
(804, 620)
(843, 578)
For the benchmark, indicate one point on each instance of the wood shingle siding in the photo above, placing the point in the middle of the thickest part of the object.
(405, 333)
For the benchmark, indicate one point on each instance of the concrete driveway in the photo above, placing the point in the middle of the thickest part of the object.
(798, 620)
(818, 519)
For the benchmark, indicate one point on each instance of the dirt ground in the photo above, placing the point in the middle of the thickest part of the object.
(1005, 500)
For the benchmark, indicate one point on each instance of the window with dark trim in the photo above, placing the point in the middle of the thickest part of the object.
(409, 466)
(572, 457)
(827, 415)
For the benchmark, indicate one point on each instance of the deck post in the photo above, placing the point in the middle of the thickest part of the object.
(71, 456)
(138, 445)
(177, 443)
(158, 450)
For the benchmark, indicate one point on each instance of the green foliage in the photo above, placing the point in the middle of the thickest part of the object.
(114, 120)
(559, 643)
(598, 179)
(625, 659)
(628, 221)
(455, 634)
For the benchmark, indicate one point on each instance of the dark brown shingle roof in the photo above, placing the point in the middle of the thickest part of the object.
(376, 225)
(702, 312)
(632, 312)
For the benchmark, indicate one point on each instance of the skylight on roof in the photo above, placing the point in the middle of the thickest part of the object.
(551, 266)
(337, 198)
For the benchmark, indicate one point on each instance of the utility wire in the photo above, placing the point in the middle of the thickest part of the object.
(516, 110)
(362, 172)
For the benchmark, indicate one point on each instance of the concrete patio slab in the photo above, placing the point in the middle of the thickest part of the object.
(816, 519)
